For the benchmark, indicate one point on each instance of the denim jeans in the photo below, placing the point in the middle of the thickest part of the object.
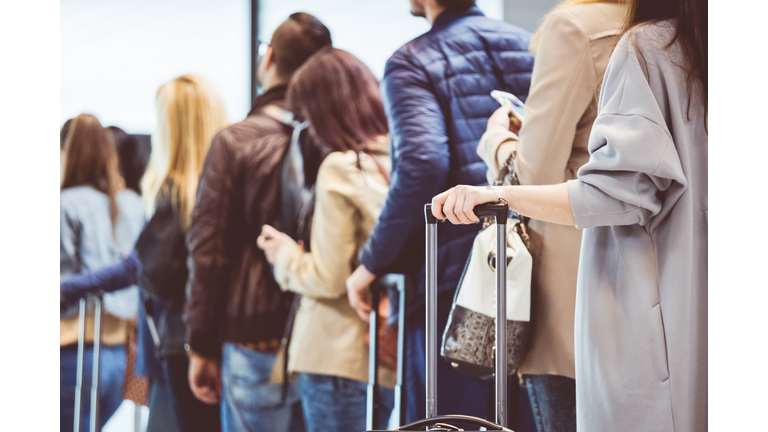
(336, 404)
(249, 402)
(110, 388)
(553, 401)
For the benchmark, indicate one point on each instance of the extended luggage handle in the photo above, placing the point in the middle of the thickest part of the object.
(381, 287)
(96, 374)
(434, 421)
(498, 211)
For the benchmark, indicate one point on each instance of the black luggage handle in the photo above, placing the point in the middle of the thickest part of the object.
(495, 210)
(474, 421)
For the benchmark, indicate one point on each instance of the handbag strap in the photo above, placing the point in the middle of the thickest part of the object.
(507, 174)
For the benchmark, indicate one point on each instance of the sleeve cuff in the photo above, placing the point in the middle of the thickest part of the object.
(285, 255)
(586, 201)
(489, 146)
(205, 343)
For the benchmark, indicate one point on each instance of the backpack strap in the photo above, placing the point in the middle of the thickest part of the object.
(280, 114)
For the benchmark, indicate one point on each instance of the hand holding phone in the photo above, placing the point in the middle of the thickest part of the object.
(517, 106)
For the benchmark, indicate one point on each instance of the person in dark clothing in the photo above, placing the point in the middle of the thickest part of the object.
(235, 312)
(436, 91)
(132, 161)
(190, 113)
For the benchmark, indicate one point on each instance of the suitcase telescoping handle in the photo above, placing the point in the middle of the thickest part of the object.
(96, 377)
(499, 212)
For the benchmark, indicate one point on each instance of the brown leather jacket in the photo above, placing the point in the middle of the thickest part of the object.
(232, 295)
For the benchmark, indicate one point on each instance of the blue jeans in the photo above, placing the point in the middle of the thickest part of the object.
(336, 404)
(553, 401)
(110, 388)
(249, 402)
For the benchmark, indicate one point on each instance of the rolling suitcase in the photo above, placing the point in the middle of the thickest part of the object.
(95, 377)
(433, 422)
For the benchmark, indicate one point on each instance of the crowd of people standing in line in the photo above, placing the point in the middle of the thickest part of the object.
(250, 243)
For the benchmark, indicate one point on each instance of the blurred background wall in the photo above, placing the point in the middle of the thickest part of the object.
(115, 54)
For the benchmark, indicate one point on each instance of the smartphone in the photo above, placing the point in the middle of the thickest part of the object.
(518, 107)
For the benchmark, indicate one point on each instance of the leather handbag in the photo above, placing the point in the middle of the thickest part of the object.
(468, 339)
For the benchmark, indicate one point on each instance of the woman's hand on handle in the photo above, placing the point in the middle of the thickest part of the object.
(549, 203)
(456, 204)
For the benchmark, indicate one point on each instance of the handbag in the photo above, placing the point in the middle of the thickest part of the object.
(468, 339)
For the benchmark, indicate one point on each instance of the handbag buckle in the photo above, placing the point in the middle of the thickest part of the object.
(492, 260)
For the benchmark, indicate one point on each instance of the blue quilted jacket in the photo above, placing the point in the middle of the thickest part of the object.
(436, 91)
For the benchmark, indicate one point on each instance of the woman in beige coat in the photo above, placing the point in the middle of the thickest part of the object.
(339, 97)
(572, 50)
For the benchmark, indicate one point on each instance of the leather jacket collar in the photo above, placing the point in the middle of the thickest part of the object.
(272, 96)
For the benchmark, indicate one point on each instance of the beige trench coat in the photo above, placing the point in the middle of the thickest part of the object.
(574, 49)
(328, 336)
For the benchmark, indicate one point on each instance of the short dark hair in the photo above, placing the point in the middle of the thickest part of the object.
(131, 160)
(295, 40)
(340, 98)
(456, 4)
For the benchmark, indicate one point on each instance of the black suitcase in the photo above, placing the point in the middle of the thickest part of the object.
(433, 422)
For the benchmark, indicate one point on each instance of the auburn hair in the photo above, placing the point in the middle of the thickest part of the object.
(339, 96)
(91, 160)
(691, 23)
(189, 113)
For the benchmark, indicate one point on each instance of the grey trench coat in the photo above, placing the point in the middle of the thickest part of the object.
(641, 302)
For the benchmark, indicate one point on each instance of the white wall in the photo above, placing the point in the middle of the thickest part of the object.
(115, 55)
(527, 14)
(370, 29)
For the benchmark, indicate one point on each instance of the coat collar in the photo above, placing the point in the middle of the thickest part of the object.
(274, 95)
(451, 15)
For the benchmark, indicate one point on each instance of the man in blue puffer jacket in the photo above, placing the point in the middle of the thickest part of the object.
(436, 91)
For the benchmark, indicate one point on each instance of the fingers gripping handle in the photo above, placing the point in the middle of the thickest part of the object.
(498, 211)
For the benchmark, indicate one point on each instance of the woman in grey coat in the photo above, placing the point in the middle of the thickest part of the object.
(641, 302)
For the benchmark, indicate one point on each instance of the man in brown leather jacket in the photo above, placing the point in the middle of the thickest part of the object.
(235, 312)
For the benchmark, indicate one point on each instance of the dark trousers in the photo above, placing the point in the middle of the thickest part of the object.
(457, 393)
(191, 414)
(553, 401)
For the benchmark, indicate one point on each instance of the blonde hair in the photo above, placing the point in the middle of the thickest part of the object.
(534, 45)
(189, 113)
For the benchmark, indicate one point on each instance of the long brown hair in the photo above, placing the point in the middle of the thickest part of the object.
(692, 31)
(189, 113)
(91, 160)
(339, 97)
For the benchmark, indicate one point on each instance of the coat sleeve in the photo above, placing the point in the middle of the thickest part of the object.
(420, 162)
(322, 272)
(107, 279)
(208, 262)
(563, 86)
(633, 159)
(69, 241)
(495, 146)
